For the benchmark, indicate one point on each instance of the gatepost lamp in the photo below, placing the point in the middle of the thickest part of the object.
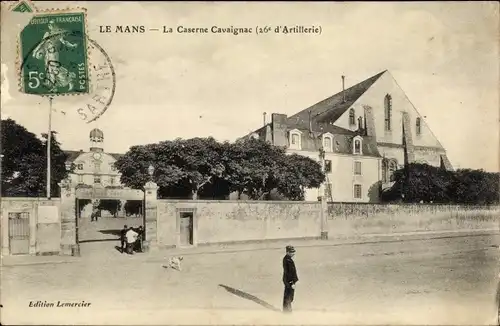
(68, 169)
(151, 170)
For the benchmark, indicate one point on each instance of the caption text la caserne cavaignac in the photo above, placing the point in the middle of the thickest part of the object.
(267, 29)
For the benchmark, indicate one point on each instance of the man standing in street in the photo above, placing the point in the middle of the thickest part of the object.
(289, 279)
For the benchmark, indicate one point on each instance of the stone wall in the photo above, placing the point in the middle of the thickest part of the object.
(44, 222)
(234, 221)
(347, 219)
(243, 221)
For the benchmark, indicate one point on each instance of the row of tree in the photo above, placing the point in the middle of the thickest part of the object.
(424, 183)
(204, 168)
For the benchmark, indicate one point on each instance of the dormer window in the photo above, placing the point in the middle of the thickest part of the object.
(328, 142)
(357, 145)
(295, 139)
(352, 117)
(79, 166)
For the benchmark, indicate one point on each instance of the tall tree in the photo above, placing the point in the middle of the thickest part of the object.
(253, 166)
(296, 174)
(201, 161)
(24, 162)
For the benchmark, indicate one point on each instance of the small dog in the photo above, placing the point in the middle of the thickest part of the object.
(175, 263)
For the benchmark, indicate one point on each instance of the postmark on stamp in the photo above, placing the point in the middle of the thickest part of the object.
(58, 58)
(54, 52)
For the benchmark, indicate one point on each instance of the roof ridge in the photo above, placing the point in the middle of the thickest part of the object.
(335, 104)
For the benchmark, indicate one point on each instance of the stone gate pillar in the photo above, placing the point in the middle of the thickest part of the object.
(68, 218)
(151, 216)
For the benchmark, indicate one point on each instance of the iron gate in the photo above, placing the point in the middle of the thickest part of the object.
(19, 233)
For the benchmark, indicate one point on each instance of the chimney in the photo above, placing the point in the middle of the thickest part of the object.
(264, 118)
(279, 129)
(343, 88)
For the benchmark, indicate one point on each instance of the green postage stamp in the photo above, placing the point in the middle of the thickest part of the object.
(53, 54)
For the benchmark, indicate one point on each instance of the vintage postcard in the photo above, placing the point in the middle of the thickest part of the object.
(249, 163)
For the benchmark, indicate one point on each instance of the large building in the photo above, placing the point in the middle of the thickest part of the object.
(95, 166)
(366, 132)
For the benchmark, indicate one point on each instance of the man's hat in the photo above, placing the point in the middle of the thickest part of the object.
(290, 249)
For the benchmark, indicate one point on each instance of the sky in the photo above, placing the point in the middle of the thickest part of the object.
(444, 55)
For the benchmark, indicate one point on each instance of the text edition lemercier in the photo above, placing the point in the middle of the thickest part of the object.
(58, 304)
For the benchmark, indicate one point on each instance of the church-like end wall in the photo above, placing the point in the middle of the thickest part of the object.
(375, 97)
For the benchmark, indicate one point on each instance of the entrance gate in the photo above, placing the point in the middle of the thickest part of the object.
(19, 233)
(100, 193)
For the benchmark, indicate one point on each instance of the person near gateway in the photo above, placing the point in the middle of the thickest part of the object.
(131, 236)
(123, 238)
(290, 278)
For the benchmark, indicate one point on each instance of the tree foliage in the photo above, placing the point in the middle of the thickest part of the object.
(24, 162)
(424, 183)
(204, 167)
(111, 205)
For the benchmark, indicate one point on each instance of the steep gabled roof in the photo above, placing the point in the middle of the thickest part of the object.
(330, 109)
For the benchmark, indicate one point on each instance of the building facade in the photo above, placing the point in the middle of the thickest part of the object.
(361, 135)
(94, 167)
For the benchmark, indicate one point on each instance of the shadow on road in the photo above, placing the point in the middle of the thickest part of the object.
(113, 232)
(98, 240)
(250, 297)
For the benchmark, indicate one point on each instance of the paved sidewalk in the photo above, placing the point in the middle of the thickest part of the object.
(162, 253)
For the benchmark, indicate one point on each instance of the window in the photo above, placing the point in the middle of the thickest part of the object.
(327, 144)
(357, 191)
(357, 168)
(418, 126)
(295, 141)
(80, 178)
(393, 166)
(388, 112)
(97, 179)
(357, 145)
(352, 118)
(79, 166)
(111, 181)
(384, 171)
(97, 166)
(389, 166)
(113, 167)
(328, 166)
